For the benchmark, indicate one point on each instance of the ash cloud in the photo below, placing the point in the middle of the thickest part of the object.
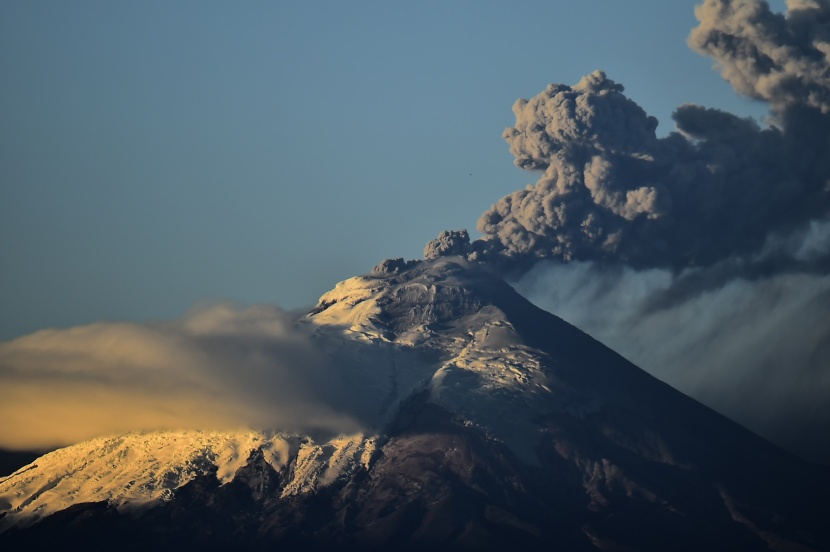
(448, 242)
(611, 191)
(704, 255)
(719, 187)
(782, 60)
(218, 368)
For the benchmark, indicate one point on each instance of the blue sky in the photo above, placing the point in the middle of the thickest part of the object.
(156, 155)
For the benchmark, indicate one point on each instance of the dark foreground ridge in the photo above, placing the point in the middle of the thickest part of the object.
(603, 455)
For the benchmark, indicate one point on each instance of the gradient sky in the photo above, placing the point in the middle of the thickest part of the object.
(156, 155)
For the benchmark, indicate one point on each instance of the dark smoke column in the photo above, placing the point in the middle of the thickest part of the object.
(781, 60)
(718, 188)
(597, 149)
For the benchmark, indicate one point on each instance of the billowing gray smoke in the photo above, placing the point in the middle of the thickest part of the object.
(783, 61)
(703, 256)
(718, 188)
(612, 191)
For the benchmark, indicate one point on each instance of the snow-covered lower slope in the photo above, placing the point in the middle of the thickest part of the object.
(141, 468)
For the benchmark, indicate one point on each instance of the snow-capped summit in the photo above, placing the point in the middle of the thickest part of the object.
(489, 424)
(443, 324)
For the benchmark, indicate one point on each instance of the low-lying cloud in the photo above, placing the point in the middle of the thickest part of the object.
(757, 351)
(220, 367)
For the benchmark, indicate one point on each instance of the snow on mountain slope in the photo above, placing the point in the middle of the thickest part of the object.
(141, 468)
(482, 352)
(472, 360)
(390, 336)
(485, 417)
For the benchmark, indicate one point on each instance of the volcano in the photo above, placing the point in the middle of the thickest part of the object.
(489, 423)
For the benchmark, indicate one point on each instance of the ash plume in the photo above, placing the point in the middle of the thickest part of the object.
(448, 242)
(719, 187)
(765, 55)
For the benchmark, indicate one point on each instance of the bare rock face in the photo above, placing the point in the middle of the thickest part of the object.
(491, 425)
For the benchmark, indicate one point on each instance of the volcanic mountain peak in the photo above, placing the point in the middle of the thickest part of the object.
(490, 424)
(470, 359)
(397, 305)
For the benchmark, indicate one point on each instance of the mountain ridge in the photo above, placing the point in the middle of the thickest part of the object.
(491, 422)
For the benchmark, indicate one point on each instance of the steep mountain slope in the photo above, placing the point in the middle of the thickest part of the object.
(490, 423)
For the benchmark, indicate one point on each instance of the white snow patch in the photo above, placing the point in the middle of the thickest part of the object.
(321, 465)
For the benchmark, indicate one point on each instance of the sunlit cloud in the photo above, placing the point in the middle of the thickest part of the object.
(220, 367)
